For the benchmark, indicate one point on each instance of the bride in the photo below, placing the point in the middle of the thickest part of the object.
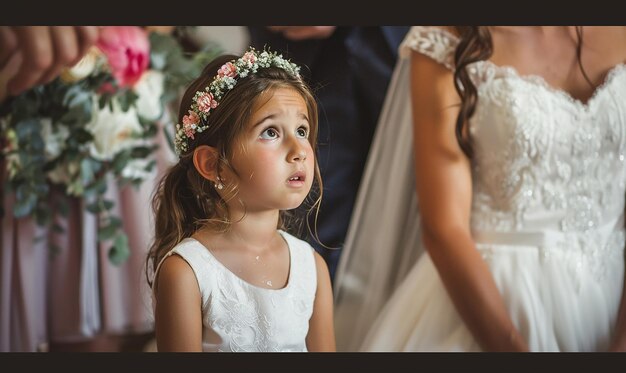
(515, 140)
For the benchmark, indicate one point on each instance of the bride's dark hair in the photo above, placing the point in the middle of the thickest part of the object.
(476, 44)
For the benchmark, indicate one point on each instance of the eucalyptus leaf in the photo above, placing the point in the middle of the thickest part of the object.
(121, 160)
(158, 60)
(77, 96)
(27, 127)
(142, 151)
(106, 233)
(99, 187)
(120, 251)
(99, 206)
(43, 215)
(86, 171)
(25, 206)
(82, 135)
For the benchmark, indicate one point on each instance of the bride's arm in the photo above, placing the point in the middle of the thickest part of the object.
(619, 336)
(444, 187)
(619, 340)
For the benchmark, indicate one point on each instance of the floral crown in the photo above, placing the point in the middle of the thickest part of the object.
(204, 101)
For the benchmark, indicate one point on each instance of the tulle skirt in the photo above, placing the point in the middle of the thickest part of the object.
(560, 302)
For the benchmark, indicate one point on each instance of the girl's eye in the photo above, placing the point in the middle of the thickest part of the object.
(269, 134)
(302, 132)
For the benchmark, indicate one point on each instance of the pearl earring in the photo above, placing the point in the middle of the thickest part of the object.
(219, 184)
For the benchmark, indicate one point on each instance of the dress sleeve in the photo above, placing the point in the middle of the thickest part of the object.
(432, 41)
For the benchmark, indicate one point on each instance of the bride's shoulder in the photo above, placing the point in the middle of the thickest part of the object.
(608, 43)
(436, 42)
(450, 32)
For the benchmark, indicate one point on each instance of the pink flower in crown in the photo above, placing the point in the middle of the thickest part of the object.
(206, 102)
(190, 123)
(192, 118)
(228, 69)
(127, 49)
(189, 132)
(249, 57)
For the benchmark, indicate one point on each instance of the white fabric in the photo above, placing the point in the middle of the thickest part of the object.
(238, 316)
(549, 178)
(382, 243)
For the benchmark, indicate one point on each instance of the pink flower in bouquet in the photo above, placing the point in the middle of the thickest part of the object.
(106, 88)
(128, 52)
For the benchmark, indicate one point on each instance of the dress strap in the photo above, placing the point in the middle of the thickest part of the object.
(198, 258)
(432, 41)
(303, 265)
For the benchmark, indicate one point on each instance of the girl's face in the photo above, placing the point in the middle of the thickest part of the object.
(274, 158)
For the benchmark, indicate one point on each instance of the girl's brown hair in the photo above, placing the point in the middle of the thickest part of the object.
(184, 201)
(476, 44)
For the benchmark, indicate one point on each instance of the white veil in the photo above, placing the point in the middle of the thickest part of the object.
(383, 240)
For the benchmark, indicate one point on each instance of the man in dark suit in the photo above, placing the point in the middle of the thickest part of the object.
(349, 68)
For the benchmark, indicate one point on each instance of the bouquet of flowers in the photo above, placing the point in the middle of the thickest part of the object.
(94, 123)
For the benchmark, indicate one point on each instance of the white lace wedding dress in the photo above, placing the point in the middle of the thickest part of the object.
(549, 180)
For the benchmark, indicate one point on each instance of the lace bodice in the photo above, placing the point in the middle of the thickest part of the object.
(238, 316)
(544, 161)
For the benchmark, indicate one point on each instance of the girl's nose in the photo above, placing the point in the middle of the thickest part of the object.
(298, 153)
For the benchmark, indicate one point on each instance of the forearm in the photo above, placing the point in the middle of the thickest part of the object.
(473, 291)
(619, 338)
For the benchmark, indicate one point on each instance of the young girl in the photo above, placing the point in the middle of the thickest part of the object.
(227, 277)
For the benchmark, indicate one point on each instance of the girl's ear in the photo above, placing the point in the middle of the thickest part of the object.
(205, 160)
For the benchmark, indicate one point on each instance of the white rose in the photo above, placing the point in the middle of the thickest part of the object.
(113, 131)
(54, 140)
(83, 68)
(149, 88)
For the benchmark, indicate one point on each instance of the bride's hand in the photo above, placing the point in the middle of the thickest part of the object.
(617, 347)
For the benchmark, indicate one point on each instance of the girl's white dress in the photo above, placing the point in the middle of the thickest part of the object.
(549, 180)
(238, 316)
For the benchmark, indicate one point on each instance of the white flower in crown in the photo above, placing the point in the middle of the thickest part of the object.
(204, 101)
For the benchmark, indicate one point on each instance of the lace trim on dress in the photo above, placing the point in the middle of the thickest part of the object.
(485, 71)
(434, 42)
